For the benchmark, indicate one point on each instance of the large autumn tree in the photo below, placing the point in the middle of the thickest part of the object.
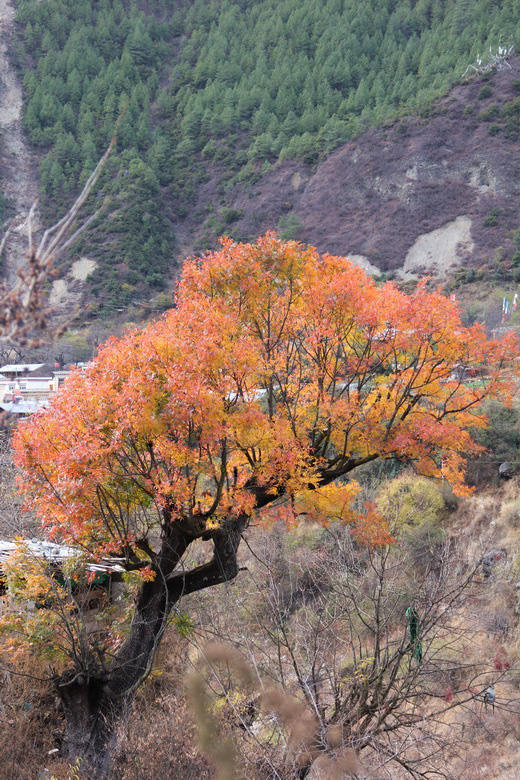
(276, 375)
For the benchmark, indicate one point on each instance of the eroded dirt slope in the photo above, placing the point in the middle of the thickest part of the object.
(19, 182)
(414, 195)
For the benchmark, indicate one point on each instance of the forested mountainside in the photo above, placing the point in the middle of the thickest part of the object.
(214, 95)
(425, 194)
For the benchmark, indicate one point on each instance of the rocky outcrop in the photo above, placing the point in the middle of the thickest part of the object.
(414, 196)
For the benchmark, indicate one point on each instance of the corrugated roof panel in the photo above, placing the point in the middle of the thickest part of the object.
(21, 367)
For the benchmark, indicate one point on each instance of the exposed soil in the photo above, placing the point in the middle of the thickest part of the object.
(440, 250)
(82, 268)
(377, 195)
(17, 164)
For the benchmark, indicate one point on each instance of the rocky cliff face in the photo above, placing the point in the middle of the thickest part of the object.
(414, 197)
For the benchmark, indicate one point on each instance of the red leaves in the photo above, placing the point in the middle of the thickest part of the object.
(277, 370)
(500, 660)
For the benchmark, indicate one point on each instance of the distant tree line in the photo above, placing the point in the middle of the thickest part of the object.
(86, 63)
(237, 84)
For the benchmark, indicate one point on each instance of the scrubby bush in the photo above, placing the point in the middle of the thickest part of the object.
(411, 501)
(492, 218)
(231, 215)
(510, 512)
(488, 113)
(74, 347)
(290, 227)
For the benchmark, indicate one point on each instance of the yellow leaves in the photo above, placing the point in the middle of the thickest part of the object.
(212, 523)
(37, 601)
(274, 364)
(27, 576)
(334, 502)
(410, 500)
(338, 503)
(46, 611)
(251, 427)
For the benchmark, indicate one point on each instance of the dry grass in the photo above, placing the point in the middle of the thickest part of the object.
(489, 520)
(30, 723)
(161, 741)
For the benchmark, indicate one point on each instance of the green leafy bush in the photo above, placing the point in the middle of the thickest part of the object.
(485, 92)
(492, 218)
(489, 113)
(290, 227)
(410, 500)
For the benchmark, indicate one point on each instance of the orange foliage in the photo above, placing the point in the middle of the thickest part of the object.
(278, 372)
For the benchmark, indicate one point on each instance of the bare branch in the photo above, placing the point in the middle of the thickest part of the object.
(23, 307)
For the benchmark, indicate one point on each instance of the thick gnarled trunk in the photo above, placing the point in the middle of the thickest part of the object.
(93, 721)
(96, 707)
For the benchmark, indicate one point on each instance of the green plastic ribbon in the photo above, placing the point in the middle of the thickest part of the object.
(414, 628)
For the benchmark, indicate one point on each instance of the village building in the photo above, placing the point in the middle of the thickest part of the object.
(25, 387)
(105, 574)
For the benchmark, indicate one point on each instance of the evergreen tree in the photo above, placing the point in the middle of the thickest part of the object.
(265, 78)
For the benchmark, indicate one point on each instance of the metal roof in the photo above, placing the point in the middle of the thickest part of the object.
(24, 407)
(57, 553)
(21, 368)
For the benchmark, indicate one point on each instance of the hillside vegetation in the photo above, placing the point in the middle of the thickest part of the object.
(85, 64)
(221, 91)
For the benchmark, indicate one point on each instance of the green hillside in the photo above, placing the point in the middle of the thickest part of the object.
(222, 89)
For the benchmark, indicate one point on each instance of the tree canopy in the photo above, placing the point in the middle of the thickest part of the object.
(220, 91)
(277, 373)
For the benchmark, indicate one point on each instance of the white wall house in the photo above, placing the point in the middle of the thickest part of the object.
(29, 382)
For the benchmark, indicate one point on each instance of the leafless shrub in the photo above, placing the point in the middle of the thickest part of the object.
(161, 738)
(23, 307)
(162, 743)
(494, 58)
(342, 670)
(29, 722)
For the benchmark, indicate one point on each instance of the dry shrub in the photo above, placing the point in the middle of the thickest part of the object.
(495, 746)
(476, 513)
(344, 765)
(30, 723)
(162, 743)
(161, 739)
(510, 513)
(497, 606)
(489, 520)
(301, 726)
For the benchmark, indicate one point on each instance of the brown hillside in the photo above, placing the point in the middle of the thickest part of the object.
(377, 195)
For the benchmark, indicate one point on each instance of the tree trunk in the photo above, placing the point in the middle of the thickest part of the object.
(93, 721)
(97, 703)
